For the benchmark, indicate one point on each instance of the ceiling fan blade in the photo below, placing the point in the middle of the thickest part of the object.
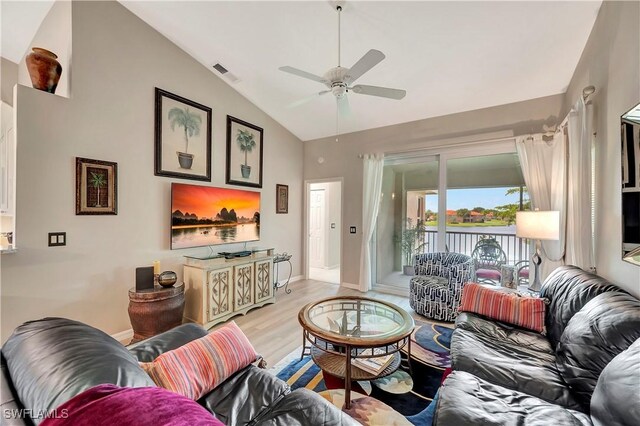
(383, 92)
(303, 74)
(307, 99)
(344, 109)
(368, 61)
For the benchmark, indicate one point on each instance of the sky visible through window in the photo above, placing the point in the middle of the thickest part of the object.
(489, 198)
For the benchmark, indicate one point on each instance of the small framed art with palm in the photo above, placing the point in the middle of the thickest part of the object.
(244, 153)
(183, 137)
(96, 187)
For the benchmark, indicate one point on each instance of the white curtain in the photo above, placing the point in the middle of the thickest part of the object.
(579, 249)
(543, 164)
(372, 186)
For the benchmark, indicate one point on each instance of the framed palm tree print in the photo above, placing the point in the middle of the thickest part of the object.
(96, 187)
(183, 137)
(244, 153)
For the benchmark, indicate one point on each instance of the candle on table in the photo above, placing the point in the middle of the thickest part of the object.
(156, 267)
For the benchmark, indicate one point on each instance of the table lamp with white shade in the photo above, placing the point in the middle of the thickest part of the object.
(538, 225)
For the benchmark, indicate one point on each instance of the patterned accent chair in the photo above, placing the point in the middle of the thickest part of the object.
(436, 289)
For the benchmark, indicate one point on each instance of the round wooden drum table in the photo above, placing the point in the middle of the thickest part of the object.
(154, 311)
(342, 329)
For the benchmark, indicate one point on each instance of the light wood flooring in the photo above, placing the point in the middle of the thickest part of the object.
(274, 330)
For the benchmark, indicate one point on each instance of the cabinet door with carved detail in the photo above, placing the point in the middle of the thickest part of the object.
(243, 286)
(219, 296)
(264, 280)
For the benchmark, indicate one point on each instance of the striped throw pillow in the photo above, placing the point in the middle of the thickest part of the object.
(193, 370)
(526, 312)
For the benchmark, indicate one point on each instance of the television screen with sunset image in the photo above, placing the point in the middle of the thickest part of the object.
(204, 216)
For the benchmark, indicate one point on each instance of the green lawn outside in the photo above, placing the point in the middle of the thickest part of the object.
(495, 222)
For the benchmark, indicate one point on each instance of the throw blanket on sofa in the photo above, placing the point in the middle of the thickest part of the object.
(113, 405)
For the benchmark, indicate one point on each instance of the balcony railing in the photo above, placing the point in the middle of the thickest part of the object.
(515, 248)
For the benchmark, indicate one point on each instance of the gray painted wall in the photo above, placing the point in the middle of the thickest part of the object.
(611, 62)
(117, 62)
(341, 158)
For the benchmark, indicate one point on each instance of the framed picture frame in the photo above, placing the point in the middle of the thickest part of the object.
(96, 187)
(182, 137)
(282, 199)
(244, 153)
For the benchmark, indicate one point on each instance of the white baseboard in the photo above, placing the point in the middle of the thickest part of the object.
(389, 289)
(123, 336)
(292, 280)
(350, 285)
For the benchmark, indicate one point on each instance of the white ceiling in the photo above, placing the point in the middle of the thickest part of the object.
(19, 21)
(449, 56)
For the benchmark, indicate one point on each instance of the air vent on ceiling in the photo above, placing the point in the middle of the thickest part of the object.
(225, 73)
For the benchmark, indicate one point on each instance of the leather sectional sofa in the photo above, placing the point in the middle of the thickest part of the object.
(585, 371)
(49, 361)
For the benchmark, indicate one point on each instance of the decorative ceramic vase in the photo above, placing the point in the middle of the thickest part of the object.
(167, 278)
(44, 69)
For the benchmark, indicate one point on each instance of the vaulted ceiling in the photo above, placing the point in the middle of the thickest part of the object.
(449, 56)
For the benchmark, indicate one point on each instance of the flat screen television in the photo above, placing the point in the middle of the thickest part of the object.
(205, 216)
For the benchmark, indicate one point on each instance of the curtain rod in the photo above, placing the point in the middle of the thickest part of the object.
(586, 92)
(444, 145)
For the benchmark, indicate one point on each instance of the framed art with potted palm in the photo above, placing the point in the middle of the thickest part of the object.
(96, 187)
(183, 137)
(244, 153)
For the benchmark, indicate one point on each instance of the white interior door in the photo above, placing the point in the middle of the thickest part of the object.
(316, 228)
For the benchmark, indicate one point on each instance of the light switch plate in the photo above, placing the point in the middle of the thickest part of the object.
(352, 230)
(57, 239)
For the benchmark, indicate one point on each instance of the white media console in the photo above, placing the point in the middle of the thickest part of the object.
(218, 288)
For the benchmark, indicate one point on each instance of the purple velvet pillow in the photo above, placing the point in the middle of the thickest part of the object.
(113, 405)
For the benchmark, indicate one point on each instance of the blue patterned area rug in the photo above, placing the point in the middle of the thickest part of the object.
(388, 400)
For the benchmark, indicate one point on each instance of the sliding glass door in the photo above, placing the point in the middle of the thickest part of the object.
(447, 202)
(408, 202)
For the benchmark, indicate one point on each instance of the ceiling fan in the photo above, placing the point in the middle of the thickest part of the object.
(339, 80)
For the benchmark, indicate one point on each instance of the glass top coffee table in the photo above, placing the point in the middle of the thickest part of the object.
(343, 329)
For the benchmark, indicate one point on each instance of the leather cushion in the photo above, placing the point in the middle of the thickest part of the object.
(568, 289)
(52, 360)
(616, 400)
(9, 402)
(511, 366)
(503, 332)
(603, 328)
(465, 399)
(196, 368)
(303, 407)
(149, 349)
(244, 396)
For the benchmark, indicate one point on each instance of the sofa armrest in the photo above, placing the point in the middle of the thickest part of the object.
(149, 349)
(10, 406)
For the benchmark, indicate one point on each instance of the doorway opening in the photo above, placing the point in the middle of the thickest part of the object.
(324, 231)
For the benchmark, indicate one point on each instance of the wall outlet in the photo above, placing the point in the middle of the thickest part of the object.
(352, 230)
(57, 239)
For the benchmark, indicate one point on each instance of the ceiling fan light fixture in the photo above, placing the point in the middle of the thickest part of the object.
(338, 89)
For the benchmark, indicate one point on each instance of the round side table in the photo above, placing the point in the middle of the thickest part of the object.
(155, 311)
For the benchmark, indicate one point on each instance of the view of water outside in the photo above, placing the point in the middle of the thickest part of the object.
(483, 210)
(473, 213)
